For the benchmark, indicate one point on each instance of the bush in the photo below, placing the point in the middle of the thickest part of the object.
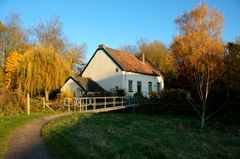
(11, 103)
(173, 95)
(154, 96)
(58, 103)
(139, 94)
(67, 94)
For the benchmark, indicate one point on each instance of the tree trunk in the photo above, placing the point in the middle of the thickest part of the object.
(203, 114)
(202, 119)
(46, 95)
(28, 104)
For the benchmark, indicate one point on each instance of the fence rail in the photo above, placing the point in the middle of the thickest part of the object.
(99, 104)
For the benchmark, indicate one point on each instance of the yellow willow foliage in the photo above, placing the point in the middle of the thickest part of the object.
(42, 69)
(12, 63)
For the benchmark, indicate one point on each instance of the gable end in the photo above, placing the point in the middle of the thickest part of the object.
(76, 83)
(106, 52)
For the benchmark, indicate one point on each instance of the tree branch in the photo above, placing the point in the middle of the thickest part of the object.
(193, 104)
(214, 113)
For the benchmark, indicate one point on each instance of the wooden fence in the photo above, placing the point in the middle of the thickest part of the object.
(100, 104)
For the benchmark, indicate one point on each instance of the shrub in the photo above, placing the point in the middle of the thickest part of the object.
(138, 94)
(67, 94)
(173, 95)
(58, 103)
(154, 96)
(11, 103)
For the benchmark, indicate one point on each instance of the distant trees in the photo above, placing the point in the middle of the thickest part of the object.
(2, 30)
(159, 55)
(36, 61)
(12, 38)
(232, 66)
(199, 53)
(49, 34)
(75, 54)
(2, 27)
(130, 49)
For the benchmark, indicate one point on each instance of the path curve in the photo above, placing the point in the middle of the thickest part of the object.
(26, 142)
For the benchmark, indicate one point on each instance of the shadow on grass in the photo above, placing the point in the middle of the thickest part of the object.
(34, 152)
(136, 136)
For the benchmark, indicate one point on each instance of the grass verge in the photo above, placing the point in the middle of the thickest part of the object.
(137, 136)
(9, 124)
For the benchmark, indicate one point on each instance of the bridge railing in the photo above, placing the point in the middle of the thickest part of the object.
(86, 104)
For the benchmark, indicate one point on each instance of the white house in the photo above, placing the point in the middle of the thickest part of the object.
(116, 70)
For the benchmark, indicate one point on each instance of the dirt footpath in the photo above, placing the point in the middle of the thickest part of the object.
(26, 143)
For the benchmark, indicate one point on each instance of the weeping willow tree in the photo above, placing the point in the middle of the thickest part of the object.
(42, 69)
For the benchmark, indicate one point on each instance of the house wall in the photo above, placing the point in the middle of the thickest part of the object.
(103, 70)
(144, 80)
(72, 86)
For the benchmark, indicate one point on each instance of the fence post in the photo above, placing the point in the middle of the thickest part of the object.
(74, 104)
(114, 101)
(105, 102)
(28, 104)
(68, 105)
(85, 104)
(80, 106)
(44, 106)
(94, 103)
(122, 101)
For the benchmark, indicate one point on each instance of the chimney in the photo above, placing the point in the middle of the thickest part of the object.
(143, 58)
(101, 46)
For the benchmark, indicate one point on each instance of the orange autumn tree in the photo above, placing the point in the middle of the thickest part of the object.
(12, 64)
(199, 53)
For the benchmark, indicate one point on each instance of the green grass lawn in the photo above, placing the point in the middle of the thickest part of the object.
(9, 124)
(132, 136)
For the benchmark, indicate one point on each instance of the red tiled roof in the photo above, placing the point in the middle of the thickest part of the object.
(133, 63)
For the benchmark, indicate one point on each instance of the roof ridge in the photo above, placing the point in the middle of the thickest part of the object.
(140, 67)
(151, 63)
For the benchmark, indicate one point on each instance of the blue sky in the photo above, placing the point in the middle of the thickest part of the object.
(117, 22)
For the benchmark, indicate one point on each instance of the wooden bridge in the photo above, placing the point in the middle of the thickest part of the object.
(100, 104)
